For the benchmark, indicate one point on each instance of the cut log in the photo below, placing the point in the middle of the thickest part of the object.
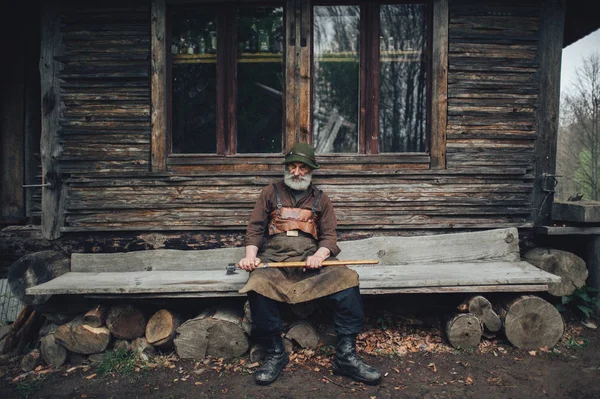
(80, 338)
(304, 335)
(247, 319)
(257, 353)
(54, 354)
(464, 331)
(25, 330)
(216, 333)
(532, 323)
(161, 328)
(142, 349)
(570, 267)
(482, 308)
(96, 317)
(31, 360)
(34, 269)
(126, 322)
(122, 344)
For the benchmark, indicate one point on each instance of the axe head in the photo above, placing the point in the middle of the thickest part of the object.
(230, 269)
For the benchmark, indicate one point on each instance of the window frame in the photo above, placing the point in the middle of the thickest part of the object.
(298, 99)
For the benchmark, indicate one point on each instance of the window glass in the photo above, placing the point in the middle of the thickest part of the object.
(260, 86)
(402, 78)
(336, 78)
(194, 81)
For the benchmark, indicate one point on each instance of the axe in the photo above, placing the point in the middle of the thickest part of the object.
(232, 266)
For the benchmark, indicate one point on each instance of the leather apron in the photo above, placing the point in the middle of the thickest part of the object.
(291, 284)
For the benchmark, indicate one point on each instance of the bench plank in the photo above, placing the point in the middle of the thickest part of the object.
(371, 277)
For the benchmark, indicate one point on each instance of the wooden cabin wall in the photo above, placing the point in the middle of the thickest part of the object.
(491, 132)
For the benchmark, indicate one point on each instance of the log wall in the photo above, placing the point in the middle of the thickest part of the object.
(491, 133)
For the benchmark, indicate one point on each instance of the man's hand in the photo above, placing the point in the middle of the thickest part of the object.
(315, 261)
(249, 262)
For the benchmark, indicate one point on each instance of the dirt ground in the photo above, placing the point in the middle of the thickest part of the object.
(409, 349)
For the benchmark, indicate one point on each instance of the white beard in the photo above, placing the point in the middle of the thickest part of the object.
(299, 183)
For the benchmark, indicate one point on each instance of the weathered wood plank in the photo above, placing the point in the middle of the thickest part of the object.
(371, 277)
(439, 85)
(52, 197)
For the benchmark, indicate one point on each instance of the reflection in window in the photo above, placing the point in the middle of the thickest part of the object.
(402, 78)
(336, 78)
(260, 80)
(194, 82)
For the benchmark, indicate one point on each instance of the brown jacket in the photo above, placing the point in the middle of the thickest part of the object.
(256, 230)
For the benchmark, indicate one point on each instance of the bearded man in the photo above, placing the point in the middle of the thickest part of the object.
(295, 221)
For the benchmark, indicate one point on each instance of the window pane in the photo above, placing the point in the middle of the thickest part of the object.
(260, 80)
(194, 79)
(403, 85)
(336, 78)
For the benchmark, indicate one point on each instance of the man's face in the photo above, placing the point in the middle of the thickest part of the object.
(298, 175)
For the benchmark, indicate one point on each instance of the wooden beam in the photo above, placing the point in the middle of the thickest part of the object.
(158, 86)
(53, 197)
(291, 82)
(439, 85)
(12, 128)
(549, 58)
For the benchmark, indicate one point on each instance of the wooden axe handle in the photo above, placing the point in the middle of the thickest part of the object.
(325, 263)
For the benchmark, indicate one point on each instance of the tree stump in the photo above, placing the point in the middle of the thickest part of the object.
(31, 360)
(532, 323)
(570, 267)
(304, 335)
(482, 308)
(23, 331)
(96, 317)
(126, 322)
(80, 338)
(54, 354)
(34, 269)
(214, 332)
(464, 331)
(161, 328)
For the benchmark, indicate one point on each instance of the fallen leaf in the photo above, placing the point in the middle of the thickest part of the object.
(469, 381)
(432, 366)
(532, 353)
(89, 377)
(197, 383)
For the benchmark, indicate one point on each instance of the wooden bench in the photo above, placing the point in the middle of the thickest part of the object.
(483, 261)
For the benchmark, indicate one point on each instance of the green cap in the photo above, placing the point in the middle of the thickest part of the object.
(302, 152)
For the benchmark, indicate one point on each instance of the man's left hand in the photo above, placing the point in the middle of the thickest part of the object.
(314, 262)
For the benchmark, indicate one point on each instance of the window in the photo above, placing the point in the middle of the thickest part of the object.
(379, 64)
(244, 80)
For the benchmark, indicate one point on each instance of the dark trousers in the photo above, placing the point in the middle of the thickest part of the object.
(347, 308)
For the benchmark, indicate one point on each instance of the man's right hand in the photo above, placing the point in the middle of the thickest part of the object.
(249, 263)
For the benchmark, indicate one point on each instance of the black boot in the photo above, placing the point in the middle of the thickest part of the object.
(349, 364)
(274, 362)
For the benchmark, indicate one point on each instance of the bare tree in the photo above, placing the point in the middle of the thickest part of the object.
(580, 144)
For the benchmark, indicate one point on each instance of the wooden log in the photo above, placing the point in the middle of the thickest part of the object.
(257, 353)
(162, 327)
(216, 333)
(464, 331)
(532, 323)
(96, 317)
(247, 319)
(126, 322)
(31, 360)
(142, 349)
(304, 335)
(80, 338)
(34, 269)
(53, 353)
(570, 267)
(10, 340)
(482, 308)
(122, 344)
